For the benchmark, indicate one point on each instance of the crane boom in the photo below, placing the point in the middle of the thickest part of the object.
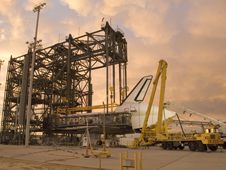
(199, 114)
(160, 71)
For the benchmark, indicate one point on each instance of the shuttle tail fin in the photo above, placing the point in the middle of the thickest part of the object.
(139, 91)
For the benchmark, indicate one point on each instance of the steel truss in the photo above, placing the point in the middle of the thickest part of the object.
(62, 78)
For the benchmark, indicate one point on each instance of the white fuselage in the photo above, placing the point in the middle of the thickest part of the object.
(131, 104)
(138, 112)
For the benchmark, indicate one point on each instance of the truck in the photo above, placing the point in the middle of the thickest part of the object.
(211, 133)
(211, 139)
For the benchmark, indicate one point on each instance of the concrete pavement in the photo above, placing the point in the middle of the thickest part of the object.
(153, 158)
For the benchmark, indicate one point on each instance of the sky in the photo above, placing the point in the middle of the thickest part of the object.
(190, 35)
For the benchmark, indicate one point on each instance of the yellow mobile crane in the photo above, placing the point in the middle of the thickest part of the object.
(161, 71)
(212, 129)
(211, 138)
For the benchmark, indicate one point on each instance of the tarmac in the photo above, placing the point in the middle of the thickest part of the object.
(153, 158)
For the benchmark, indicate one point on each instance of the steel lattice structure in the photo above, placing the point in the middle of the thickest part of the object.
(62, 71)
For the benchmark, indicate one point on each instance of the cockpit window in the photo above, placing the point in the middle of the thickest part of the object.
(140, 96)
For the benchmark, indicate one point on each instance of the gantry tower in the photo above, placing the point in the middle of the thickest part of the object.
(62, 78)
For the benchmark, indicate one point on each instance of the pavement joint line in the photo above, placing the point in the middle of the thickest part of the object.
(24, 154)
(60, 155)
(175, 160)
(69, 150)
(47, 161)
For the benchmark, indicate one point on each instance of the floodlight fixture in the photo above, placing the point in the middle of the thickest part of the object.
(39, 41)
(31, 44)
(1, 61)
(39, 7)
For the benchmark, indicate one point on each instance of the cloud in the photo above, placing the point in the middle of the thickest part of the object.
(30, 4)
(14, 18)
(207, 18)
(84, 7)
(1, 21)
(3, 33)
(114, 7)
(189, 35)
(15, 27)
(148, 24)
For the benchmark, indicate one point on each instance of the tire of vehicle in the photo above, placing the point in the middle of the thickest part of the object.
(224, 145)
(169, 145)
(175, 148)
(200, 147)
(164, 145)
(181, 147)
(213, 148)
(99, 142)
(192, 146)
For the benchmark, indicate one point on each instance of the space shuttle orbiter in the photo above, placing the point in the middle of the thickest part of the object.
(132, 106)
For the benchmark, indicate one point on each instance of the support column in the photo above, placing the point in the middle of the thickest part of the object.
(90, 85)
(68, 96)
(107, 55)
(125, 70)
(114, 66)
(120, 84)
(23, 95)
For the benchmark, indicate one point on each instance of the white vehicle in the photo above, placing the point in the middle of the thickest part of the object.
(128, 139)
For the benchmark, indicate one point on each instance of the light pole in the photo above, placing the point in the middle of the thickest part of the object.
(37, 8)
